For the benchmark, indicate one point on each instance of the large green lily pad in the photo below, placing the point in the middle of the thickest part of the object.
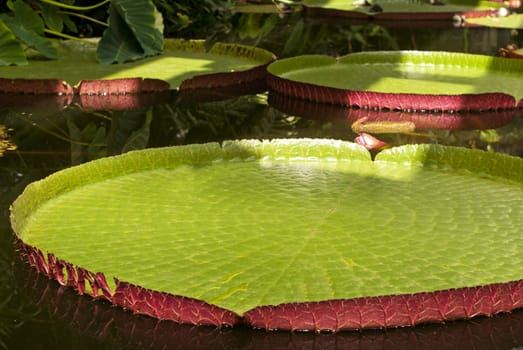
(402, 9)
(404, 80)
(180, 61)
(249, 227)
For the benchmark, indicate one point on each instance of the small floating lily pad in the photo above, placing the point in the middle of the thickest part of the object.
(402, 80)
(287, 234)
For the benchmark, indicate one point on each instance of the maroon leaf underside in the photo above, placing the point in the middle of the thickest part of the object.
(114, 325)
(123, 102)
(223, 92)
(508, 53)
(35, 86)
(397, 16)
(85, 87)
(121, 86)
(225, 79)
(392, 101)
(330, 315)
(38, 102)
(422, 120)
(434, 121)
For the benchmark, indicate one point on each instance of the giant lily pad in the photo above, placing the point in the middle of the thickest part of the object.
(287, 234)
(402, 9)
(182, 61)
(402, 80)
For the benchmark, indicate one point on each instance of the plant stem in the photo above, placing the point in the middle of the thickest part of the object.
(94, 20)
(75, 8)
(62, 35)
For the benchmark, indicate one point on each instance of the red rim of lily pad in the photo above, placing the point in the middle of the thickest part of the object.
(223, 92)
(393, 101)
(216, 80)
(56, 94)
(103, 87)
(121, 86)
(122, 102)
(405, 22)
(331, 315)
(35, 86)
(348, 80)
(95, 319)
(429, 17)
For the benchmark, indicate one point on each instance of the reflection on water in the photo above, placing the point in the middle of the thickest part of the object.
(98, 324)
(5, 142)
(54, 134)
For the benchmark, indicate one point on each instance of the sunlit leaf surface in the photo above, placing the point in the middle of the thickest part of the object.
(180, 60)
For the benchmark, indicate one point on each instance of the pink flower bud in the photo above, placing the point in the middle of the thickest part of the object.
(369, 142)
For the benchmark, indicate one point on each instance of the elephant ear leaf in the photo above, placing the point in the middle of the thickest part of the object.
(133, 32)
(11, 52)
(28, 27)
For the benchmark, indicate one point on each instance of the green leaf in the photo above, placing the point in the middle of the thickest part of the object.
(129, 130)
(139, 138)
(132, 34)
(118, 43)
(70, 24)
(142, 18)
(11, 52)
(53, 19)
(31, 38)
(98, 146)
(28, 18)
(28, 27)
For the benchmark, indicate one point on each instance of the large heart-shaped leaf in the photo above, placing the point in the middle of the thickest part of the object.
(290, 234)
(132, 32)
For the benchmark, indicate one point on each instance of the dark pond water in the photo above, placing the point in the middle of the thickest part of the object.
(36, 314)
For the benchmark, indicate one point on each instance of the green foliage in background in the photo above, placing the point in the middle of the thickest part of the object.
(190, 19)
(132, 29)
